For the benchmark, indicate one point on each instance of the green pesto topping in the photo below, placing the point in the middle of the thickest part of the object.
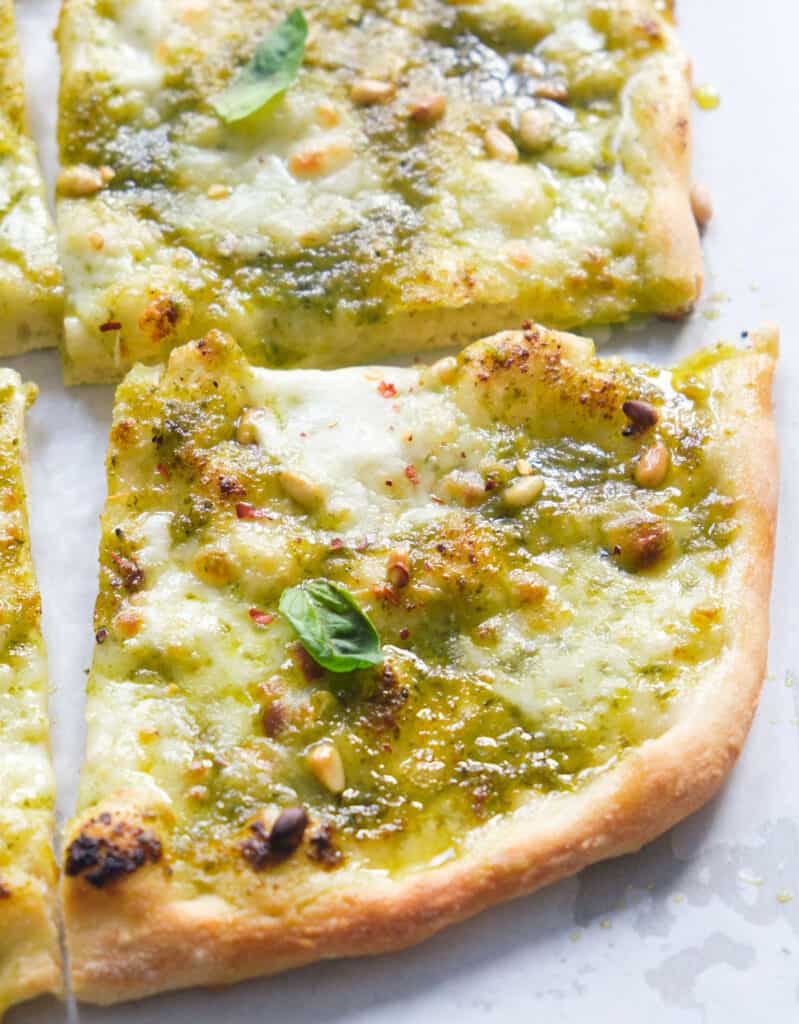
(524, 645)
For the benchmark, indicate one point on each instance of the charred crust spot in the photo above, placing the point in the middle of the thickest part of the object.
(131, 572)
(159, 318)
(263, 847)
(322, 847)
(288, 830)
(384, 707)
(255, 848)
(109, 847)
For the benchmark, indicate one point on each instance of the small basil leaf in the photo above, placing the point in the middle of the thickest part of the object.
(334, 630)
(270, 72)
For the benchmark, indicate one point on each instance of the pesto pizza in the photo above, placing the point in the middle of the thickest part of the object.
(29, 958)
(377, 648)
(31, 292)
(349, 180)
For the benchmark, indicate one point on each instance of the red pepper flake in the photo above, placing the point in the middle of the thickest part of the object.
(101, 635)
(412, 475)
(336, 544)
(386, 389)
(163, 469)
(436, 499)
(404, 633)
(244, 510)
(262, 618)
(111, 325)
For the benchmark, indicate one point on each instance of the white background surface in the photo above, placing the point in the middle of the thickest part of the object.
(703, 925)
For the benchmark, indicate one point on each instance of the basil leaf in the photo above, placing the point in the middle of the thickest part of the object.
(270, 72)
(334, 630)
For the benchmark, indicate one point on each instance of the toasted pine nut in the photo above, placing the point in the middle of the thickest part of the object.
(246, 431)
(429, 108)
(367, 91)
(82, 180)
(523, 492)
(302, 490)
(500, 146)
(398, 569)
(325, 762)
(536, 128)
(652, 467)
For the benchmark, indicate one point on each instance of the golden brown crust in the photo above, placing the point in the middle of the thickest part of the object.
(134, 938)
(660, 96)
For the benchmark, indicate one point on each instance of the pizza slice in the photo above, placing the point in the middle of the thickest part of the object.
(29, 957)
(356, 179)
(31, 290)
(377, 648)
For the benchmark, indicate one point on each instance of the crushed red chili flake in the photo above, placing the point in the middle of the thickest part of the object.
(101, 635)
(163, 469)
(336, 543)
(111, 325)
(244, 510)
(412, 475)
(386, 593)
(386, 389)
(404, 633)
(435, 498)
(262, 618)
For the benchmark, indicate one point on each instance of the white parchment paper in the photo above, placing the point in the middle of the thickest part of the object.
(703, 925)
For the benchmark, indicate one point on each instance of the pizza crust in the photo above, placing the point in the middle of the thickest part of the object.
(30, 960)
(133, 937)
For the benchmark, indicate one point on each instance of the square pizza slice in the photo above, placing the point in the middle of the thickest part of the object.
(29, 956)
(359, 179)
(31, 289)
(377, 648)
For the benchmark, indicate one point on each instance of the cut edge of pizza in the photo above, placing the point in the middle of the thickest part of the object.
(30, 961)
(275, 891)
(292, 228)
(31, 285)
